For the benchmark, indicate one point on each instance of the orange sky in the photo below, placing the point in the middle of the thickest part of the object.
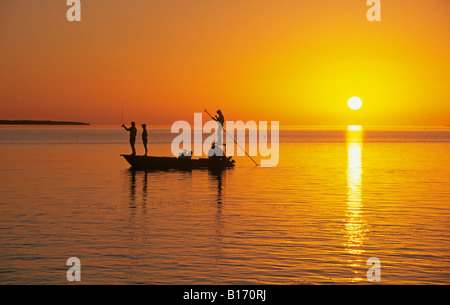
(293, 61)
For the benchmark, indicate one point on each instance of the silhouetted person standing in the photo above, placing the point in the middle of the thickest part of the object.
(220, 120)
(133, 132)
(144, 137)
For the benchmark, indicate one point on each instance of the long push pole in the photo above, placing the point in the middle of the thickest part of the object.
(233, 139)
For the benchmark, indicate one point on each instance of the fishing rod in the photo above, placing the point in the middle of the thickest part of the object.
(123, 107)
(232, 138)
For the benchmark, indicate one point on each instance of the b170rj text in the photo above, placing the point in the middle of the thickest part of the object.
(239, 294)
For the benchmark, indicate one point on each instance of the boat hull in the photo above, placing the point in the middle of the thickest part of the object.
(162, 163)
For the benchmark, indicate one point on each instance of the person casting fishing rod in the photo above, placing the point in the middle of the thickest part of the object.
(133, 132)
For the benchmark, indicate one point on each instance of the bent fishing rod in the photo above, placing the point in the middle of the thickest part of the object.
(232, 138)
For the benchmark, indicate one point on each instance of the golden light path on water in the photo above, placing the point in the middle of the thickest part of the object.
(355, 225)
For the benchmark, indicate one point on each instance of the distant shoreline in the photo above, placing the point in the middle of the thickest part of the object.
(36, 122)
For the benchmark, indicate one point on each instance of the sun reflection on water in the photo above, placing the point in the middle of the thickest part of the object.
(355, 224)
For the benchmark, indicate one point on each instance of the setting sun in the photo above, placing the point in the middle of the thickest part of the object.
(354, 103)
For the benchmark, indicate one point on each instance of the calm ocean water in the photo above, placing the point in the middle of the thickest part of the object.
(337, 198)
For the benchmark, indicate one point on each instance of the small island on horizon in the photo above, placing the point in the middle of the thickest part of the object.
(39, 122)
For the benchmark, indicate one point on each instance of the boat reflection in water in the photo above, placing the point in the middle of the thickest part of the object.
(355, 226)
(217, 178)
